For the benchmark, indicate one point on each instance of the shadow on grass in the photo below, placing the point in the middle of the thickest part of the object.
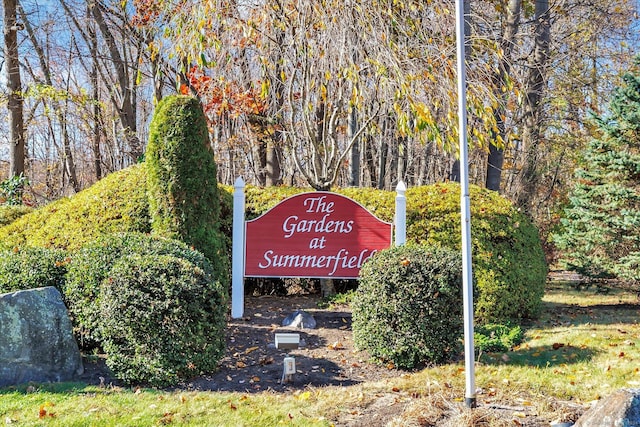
(561, 314)
(540, 356)
(30, 388)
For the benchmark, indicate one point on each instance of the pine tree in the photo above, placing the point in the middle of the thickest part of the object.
(601, 236)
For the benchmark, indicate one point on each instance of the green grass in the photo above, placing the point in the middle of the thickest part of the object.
(78, 405)
(584, 347)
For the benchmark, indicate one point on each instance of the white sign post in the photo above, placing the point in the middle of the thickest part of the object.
(237, 251)
(401, 214)
(465, 212)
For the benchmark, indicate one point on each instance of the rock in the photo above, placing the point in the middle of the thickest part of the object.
(299, 319)
(621, 409)
(36, 343)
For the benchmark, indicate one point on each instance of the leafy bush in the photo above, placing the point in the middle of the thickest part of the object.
(181, 178)
(11, 189)
(92, 264)
(509, 266)
(117, 203)
(28, 268)
(497, 338)
(408, 307)
(163, 319)
(9, 213)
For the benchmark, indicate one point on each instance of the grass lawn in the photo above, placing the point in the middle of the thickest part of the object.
(584, 347)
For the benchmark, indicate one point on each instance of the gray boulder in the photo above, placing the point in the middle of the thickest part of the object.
(621, 409)
(36, 339)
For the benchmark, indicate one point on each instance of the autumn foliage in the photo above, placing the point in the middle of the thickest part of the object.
(221, 97)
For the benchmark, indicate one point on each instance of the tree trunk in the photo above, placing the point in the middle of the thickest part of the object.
(495, 158)
(126, 107)
(382, 165)
(14, 86)
(533, 109)
(67, 154)
(93, 76)
(327, 287)
(354, 164)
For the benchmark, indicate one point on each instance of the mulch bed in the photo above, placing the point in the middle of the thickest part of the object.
(252, 363)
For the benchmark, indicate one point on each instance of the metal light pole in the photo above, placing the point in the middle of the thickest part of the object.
(465, 211)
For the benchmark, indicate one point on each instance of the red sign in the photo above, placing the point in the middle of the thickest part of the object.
(317, 234)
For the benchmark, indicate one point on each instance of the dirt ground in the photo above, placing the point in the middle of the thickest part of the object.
(326, 357)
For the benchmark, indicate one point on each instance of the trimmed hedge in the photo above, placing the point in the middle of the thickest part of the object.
(28, 268)
(117, 203)
(408, 307)
(10, 213)
(163, 320)
(92, 264)
(509, 266)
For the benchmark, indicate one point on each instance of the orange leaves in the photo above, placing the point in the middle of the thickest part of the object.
(221, 97)
(43, 413)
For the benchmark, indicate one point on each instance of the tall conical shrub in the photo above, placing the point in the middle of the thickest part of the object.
(181, 178)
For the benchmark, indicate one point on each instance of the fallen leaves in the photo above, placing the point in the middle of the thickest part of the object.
(43, 413)
(250, 349)
(336, 346)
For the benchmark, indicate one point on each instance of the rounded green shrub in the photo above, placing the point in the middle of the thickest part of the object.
(91, 265)
(163, 320)
(408, 307)
(181, 179)
(28, 268)
(508, 262)
(117, 203)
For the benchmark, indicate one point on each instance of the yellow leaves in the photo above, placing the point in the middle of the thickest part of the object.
(264, 88)
(323, 92)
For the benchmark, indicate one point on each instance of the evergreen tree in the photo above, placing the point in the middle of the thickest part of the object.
(181, 176)
(601, 236)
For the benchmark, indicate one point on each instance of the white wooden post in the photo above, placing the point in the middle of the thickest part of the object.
(401, 214)
(237, 251)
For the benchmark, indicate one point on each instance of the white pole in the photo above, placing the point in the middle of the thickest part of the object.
(237, 251)
(401, 214)
(465, 212)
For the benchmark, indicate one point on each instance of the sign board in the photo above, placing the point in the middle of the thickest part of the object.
(318, 234)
